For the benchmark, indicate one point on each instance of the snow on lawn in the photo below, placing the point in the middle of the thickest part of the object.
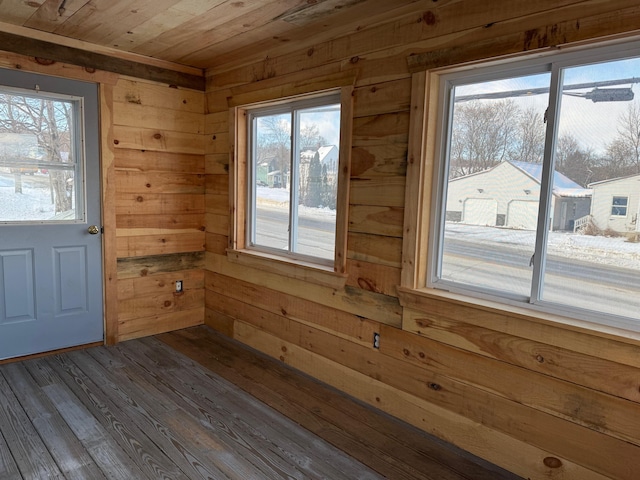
(615, 251)
(31, 204)
(267, 196)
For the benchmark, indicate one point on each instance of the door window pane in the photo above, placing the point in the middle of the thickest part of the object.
(39, 158)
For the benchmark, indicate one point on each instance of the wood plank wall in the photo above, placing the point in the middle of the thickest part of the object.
(158, 149)
(536, 398)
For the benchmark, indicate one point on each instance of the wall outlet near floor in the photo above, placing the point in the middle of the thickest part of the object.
(178, 286)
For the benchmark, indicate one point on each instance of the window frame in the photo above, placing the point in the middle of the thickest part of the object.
(424, 200)
(77, 146)
(620, 206)
(240, 250)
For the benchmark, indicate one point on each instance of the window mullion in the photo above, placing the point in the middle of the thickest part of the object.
(295, 181)
(546, 185)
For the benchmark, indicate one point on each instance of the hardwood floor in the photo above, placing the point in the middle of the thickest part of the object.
(193, 404)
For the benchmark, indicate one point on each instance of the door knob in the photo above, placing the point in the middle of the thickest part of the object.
(93, 229)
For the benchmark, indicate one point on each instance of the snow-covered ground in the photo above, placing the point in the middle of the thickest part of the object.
(616, 251)
(34, 203)
(280, 197)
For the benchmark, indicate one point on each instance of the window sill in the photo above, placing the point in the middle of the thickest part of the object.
(304, 271)
(418, 299)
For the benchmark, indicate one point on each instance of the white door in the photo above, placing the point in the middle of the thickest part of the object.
(50, 263)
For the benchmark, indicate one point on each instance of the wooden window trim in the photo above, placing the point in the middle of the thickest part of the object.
(420, 196)
(335, 275)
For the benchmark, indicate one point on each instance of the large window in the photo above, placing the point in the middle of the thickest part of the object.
(291, 180)
(539, 183)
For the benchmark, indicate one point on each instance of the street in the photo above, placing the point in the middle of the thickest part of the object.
(567, 281)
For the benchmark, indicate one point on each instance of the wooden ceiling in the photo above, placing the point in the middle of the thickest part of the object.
(194, 34)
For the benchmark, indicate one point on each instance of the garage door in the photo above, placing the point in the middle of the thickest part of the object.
(480, 211)
(522, 214)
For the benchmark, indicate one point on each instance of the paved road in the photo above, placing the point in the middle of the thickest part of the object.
(556, 265)
(567, 281)
(316, 235)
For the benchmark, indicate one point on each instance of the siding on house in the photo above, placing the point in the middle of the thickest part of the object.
(602, 204)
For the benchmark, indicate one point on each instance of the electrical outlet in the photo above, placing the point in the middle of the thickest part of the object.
(376, 340)
(178, 286)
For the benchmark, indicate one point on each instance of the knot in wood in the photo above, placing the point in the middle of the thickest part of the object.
(116, 142)
(139, 199)
(552, 462)
(406, 351)
(167, 303)
(354, 60)
(44, 61)
(311, 51)
(434, 386)
(539, 358)
(157, 136)
(430, 18)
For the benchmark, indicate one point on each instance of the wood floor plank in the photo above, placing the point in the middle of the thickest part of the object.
(145, 454)
(28, 450)
(132, 402)
(68, 452)
(8, 467)
(334, 425)
(353, 427)
(264, 432)
(106, 452)
(193, 404)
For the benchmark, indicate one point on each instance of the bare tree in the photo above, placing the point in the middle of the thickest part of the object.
(483, 133)
(528, 141)
(572, 161)
(623, 153)
(274, 141)
(310, 138)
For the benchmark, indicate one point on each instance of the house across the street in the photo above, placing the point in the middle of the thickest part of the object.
(508, 195)
(616, 203)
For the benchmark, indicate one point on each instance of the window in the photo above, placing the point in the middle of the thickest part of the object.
(619, 206)
(41, 157)
(527, 153)
(291, 180)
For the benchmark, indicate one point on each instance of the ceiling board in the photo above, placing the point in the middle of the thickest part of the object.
(193, 33)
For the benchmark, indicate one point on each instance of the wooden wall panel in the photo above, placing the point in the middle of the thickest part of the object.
(159, 179)
(540, 399)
